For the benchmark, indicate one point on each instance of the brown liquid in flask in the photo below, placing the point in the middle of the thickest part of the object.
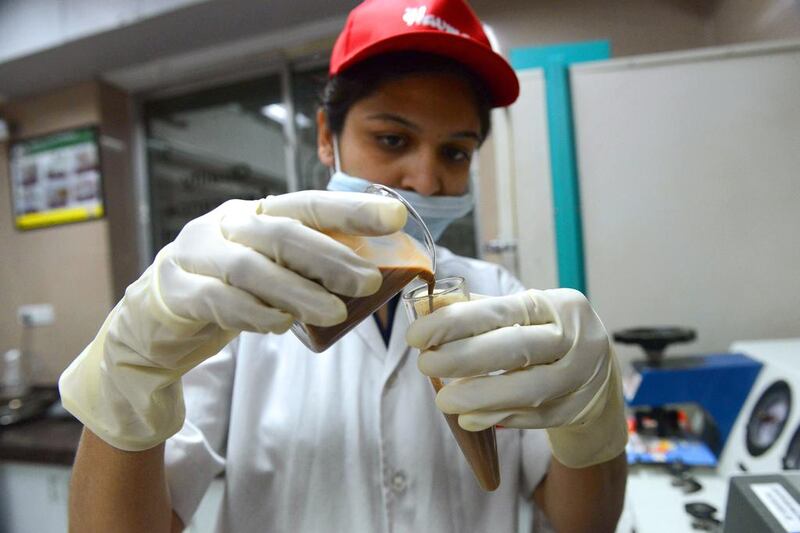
(399, 258)
(394, 279)
(479, 447)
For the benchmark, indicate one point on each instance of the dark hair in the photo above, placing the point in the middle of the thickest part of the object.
(363, 79)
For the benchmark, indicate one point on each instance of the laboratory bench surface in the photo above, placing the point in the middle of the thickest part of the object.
(50, 439)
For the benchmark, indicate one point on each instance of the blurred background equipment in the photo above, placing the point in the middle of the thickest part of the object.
(753, 423)
(20, 399)
(683, 408)
(768, 504)
(766, 435)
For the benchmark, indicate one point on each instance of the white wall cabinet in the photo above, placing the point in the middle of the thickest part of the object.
(33, 498)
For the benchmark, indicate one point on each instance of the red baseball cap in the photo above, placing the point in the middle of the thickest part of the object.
(444, 27)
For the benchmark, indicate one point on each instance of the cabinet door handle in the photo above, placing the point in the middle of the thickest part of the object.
(499, 246)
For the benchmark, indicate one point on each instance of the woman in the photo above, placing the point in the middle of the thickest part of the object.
(350, 440)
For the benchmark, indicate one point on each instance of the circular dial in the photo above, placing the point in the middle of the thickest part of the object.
(792, 459)
(768, 418)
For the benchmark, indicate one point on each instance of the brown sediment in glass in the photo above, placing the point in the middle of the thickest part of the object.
(478, 447)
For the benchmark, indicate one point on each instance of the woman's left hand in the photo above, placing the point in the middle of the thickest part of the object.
(537, 359)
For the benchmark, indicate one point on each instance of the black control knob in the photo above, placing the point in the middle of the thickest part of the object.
(655, 340)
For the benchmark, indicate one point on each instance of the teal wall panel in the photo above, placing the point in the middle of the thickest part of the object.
(555, 61)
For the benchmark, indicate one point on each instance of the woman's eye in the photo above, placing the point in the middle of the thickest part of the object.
(457, 154)
(392, 141)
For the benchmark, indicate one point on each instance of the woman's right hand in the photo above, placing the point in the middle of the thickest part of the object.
(247, 265)
(258, 265)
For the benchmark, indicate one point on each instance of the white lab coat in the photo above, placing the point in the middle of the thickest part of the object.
(345, 441)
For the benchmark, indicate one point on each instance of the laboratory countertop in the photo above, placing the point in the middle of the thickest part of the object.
(49, 439)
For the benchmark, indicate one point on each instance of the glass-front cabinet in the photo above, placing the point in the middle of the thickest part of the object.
(210, 146)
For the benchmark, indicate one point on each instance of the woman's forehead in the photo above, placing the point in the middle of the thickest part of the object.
(442, 100)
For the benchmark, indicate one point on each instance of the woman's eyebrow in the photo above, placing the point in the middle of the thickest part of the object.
(391, 117)
(466, 134)
(395, 118)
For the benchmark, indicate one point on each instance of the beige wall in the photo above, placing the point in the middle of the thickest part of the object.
(737, 21)
(632, 26)
(641, 26)
(67, 266)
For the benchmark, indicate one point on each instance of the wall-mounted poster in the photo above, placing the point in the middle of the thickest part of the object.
(55, 179)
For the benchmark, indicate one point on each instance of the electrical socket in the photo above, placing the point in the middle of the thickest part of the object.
(36, 315)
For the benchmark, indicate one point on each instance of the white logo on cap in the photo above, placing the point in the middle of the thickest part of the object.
(418, 16)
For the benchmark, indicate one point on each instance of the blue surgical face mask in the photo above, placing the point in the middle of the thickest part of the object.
(438, 212)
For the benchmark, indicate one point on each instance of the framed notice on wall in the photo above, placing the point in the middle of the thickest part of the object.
(55, 179)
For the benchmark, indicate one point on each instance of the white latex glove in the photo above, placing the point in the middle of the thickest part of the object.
(247, 265)
(557, 370)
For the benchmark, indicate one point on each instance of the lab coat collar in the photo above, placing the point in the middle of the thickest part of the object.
(371, 335)
(397, 349)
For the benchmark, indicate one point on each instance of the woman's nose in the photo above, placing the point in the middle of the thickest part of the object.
(422, 177)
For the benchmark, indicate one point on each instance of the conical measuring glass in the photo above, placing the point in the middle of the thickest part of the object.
(479, 447)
